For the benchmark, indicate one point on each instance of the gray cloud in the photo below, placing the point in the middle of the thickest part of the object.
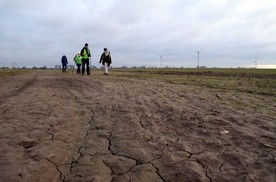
(231, 33)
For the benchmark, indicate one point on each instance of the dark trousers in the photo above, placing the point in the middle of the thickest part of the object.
(85, 62)
(64, 68)
(78, 68)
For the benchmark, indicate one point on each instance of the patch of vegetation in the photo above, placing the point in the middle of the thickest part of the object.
(239, 104)
(257, 81)
(12, 72)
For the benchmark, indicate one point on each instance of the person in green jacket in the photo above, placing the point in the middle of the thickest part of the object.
(78, 61)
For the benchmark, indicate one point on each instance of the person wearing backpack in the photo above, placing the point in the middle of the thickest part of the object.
(78, 61)
(85, 54)
(106, 60)
(64, 63)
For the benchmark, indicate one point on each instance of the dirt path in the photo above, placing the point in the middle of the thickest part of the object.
(64, 127)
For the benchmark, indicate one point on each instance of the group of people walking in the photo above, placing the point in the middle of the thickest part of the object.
(82, 60)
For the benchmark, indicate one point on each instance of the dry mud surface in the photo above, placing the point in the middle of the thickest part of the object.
(65, 127)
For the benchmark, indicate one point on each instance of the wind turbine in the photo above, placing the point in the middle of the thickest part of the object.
(256, 63)
(198, 51)
(161, 57)
(14, 64)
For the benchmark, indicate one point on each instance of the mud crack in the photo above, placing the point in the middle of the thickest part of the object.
(62, 177)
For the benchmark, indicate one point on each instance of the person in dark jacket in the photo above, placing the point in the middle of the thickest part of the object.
(106, 60)
(85, 54)
(64, 63)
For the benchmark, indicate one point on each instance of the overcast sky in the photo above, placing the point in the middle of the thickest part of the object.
(228, 33)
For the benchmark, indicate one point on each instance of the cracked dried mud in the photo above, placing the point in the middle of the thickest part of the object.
(65, 127)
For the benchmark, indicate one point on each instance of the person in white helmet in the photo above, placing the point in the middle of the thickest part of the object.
(78, 61)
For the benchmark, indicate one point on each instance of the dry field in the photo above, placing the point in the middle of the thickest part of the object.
(138, 125)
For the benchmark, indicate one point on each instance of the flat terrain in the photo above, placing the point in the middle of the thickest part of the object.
(58, 126)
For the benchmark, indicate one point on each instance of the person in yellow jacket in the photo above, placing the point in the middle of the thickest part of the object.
(78, 61)
(85, 54)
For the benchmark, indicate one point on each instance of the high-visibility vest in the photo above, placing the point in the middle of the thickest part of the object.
(78, 59)
(85, 54)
